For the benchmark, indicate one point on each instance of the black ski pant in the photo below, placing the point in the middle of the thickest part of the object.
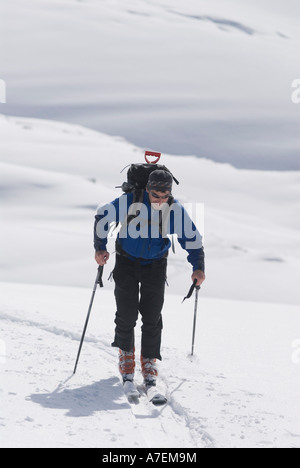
(139, 288)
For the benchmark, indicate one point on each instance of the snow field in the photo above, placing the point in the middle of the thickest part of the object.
(209, 78)
(214, 401)
(241, 389)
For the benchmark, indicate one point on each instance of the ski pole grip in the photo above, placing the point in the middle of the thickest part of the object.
(191, 290)
(100, 274)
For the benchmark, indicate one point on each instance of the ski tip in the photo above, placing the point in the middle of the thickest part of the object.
(159, 401)
(131, 392)
(133, 399)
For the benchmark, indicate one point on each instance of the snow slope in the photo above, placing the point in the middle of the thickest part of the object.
(242, 388)
(210, 78)
(53, 175)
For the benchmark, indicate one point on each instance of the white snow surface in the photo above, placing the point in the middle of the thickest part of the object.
(241, 389)
(206, 77)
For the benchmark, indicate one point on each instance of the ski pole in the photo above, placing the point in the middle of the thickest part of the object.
(193, 287)
(98, 281)
(195, 317)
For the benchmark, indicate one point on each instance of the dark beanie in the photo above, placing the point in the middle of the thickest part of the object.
(160, 180)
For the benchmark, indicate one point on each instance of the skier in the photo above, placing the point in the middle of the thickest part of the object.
(141, 266)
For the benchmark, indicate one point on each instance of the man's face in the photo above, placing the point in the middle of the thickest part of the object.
(157, 198)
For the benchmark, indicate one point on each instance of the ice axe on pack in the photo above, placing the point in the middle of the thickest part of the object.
(193, 287)
(98, 281)
(153, 154)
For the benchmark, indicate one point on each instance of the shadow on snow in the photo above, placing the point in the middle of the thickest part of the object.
(84, 401)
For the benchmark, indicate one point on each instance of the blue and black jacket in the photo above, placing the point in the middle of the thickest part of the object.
(143, 237)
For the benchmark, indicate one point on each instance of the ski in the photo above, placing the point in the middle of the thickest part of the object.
(131, 392)
(155, 397)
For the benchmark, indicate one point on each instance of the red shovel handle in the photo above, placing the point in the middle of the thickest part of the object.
(154, 154)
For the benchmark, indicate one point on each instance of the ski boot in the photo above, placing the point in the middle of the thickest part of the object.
(150, 373)
(127, 364)
(127, 367)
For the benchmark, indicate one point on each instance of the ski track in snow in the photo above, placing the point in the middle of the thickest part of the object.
(71, 408)
(156, 426)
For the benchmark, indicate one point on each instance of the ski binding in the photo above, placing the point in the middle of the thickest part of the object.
(156, 398)
(131, 392)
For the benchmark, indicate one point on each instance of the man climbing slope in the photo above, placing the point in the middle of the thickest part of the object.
(142, 247)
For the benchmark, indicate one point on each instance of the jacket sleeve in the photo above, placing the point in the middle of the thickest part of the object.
(190, 239)
(112, 212)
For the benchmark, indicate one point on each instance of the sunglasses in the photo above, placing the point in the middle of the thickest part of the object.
(158, 197)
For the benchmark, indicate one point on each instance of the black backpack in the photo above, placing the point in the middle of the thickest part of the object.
(137, 179)
(138, 175)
